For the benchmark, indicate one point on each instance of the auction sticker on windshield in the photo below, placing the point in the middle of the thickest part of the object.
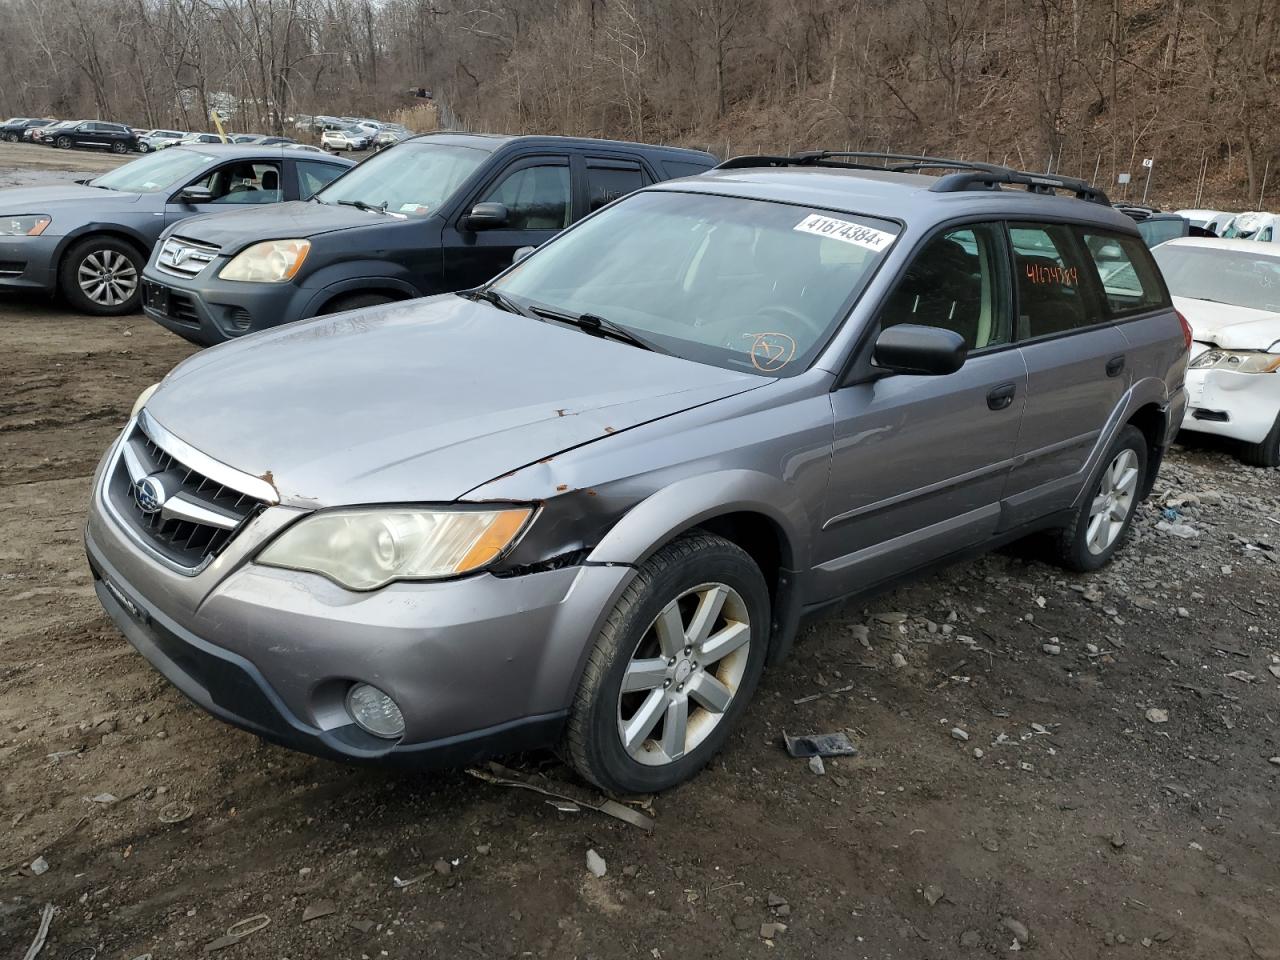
(846, 230)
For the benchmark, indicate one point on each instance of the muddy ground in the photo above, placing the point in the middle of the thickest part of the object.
(1067, 819)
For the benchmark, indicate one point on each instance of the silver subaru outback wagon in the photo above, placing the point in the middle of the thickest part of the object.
(584, 505)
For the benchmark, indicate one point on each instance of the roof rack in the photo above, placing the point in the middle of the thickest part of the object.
(968, 175)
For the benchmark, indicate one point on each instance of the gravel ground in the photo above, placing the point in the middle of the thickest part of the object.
(1075, 766)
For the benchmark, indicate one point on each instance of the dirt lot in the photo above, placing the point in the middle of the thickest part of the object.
(1003, 791)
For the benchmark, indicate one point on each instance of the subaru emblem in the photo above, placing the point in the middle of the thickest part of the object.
(149, 494)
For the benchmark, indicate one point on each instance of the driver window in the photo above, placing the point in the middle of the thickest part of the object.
(245, 182)
(536, 198)
(957, 282)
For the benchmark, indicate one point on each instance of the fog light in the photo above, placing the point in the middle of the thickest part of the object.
(374, 711)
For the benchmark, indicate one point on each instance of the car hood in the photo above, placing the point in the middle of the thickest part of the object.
(276, 221)
(419, 401)
(43, 199)
(1229, 326)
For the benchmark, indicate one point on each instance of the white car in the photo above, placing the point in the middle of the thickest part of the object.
(159, 139)
(1256, 225)
(1229, 292)
(1199, 218)
(349, 138)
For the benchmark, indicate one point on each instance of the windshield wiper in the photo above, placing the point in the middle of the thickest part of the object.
(499, 300)
(361, 205)
(599, 327)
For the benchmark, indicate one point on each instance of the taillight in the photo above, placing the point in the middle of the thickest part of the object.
(1186, 329)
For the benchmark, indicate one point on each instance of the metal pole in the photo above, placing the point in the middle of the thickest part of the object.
(1263, 191)
(1146, 186)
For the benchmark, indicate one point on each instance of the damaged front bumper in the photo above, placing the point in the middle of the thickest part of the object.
(1241, 406)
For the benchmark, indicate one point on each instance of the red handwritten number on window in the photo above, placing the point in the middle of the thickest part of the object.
(1039, 273)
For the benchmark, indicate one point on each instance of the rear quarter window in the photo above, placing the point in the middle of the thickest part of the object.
(1129, 278)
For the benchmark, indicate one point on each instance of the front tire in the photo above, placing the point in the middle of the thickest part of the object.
(11, 137)
(1106, 513)
(672, 669)
(63, 143)
(119, 147)
(101, 276)
(1266, 453)
(355, 301)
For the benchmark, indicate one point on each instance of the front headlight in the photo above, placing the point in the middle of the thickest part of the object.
(275, 261)
(1237, 361)
(143, 397)
(24, 225)
(363, 549)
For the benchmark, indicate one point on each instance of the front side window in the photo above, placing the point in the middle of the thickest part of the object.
(1128, 275)
(244, 182)
(957, 282)
(1156, 232)
(1050, 277)
(750, 285)
(413, 180)
(165, 170)
(1235, 277)
(536, 198)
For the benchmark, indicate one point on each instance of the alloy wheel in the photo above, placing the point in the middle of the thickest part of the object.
(1113, 503)
(684, 674)
(107, 277)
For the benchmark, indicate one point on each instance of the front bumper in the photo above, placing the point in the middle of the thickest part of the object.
(479, 666)
(209, 311)
(29, 263)
(1242, 406)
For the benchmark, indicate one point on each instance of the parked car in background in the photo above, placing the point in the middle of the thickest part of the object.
(157, 139)
(261, 139)
(1207, 219)
(390, 134)
(96, 134)
(304, 148)
(1229, 291)
(434, 213)
(29, 132)
(348, 139)
(89, 241)
(45, 135)
(586, 503)
(1256, 225)
(196, 139)
(1157, 227)
(15, 128)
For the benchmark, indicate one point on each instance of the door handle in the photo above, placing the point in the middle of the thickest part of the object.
(1000, 397)
(1115, 365)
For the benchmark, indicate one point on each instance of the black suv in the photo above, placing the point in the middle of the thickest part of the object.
(431, 214)
(115, 137)
(13, 128)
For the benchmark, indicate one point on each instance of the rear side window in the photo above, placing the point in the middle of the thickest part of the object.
(313, 175)
(1156, 232)
(1050, 277)
(607, 180)
(684, 168)
(1128, 275)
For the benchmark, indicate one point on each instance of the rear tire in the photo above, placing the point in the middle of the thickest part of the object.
(63, 143)
(102, 276)
(1106, 513)
(11, 137)
(1265, 453)
(355, 301)
(651, 641)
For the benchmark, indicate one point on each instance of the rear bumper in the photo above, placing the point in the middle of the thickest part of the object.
(1241, 406)
(29, 263)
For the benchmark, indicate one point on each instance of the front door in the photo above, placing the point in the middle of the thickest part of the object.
(920, 462)
(233, 184)
(538, 196)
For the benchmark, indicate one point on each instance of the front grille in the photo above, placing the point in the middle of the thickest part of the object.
(12, 268)
(181, 257)
(182, 307)
(191, 518)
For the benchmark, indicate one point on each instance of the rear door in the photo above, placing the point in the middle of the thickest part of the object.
(537, 192)
(1077, 363)
(920, 462)
(608, 178)
(87, 135)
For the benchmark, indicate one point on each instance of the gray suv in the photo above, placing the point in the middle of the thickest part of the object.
(585, 504)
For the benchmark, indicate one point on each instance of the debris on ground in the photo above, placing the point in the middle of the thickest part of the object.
(595, 864)
(501, 776)
(819, 745)
(42, 931)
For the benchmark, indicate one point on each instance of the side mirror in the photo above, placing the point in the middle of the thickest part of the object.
(487, 216)
(910, 348)
(521, 253)
(196, 195)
